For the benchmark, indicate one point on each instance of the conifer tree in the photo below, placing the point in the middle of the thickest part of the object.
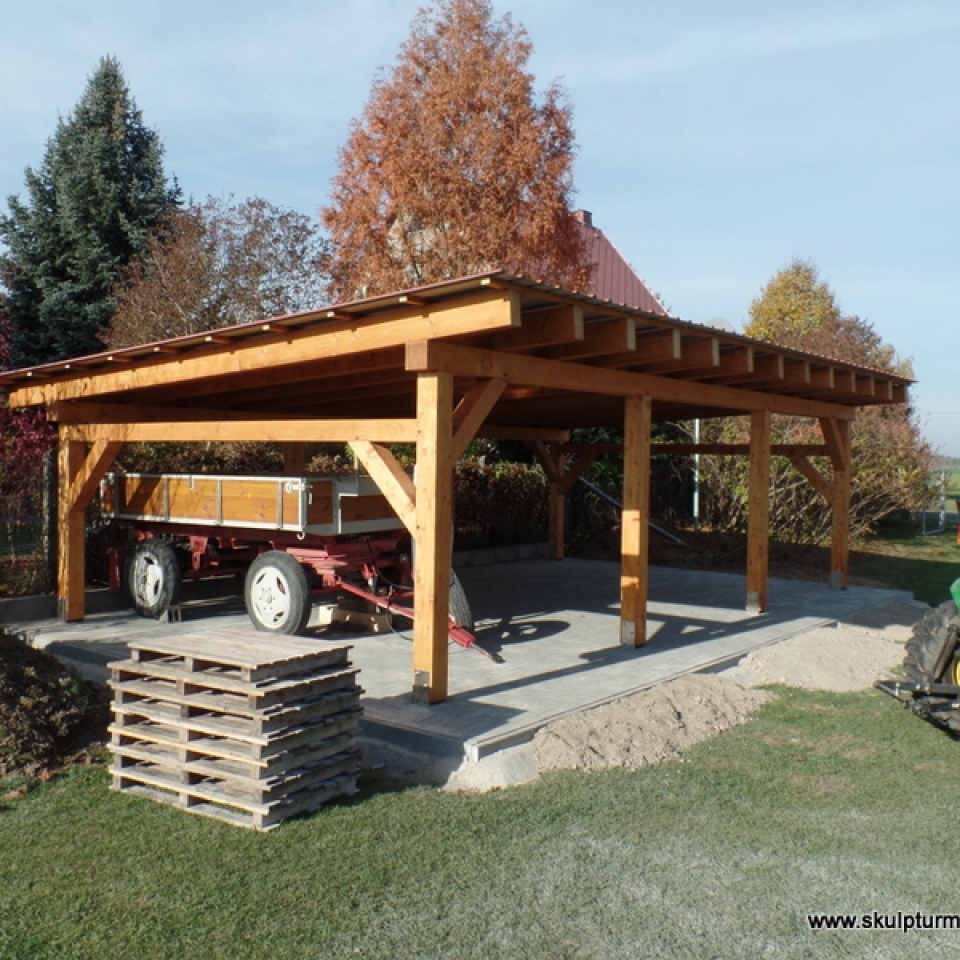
(90, 208)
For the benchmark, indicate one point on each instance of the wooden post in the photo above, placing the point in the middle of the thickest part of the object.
(758, 532)
(294, 458)
(80, 473)
(635, 525)
(553, 467)
(557, 520)
(71, 568)
(434, 506)
(841, 457)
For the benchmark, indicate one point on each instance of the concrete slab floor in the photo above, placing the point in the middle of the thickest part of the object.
(556, 625)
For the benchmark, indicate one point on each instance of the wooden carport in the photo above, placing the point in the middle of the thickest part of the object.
(492, 355)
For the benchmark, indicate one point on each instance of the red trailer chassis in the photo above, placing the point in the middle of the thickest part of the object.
(283, 564)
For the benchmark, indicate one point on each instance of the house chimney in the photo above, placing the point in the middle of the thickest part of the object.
(585, 217)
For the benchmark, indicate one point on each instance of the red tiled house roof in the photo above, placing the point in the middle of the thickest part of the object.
(613, 278)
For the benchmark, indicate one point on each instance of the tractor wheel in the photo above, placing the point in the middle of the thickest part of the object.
(931, 648)
(277, 593)
(153, 578)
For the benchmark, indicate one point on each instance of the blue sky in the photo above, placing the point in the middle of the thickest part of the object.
(717, 141)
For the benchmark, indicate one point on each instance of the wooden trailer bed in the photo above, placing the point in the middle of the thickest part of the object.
(318, 506)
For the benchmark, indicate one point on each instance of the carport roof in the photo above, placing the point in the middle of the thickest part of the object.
(361, 359)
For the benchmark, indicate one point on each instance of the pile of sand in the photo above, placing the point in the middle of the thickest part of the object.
(646, 727)
(664, 721)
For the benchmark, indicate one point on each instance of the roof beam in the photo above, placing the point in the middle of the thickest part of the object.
(270, 431)
(433, 355)
(487, 310)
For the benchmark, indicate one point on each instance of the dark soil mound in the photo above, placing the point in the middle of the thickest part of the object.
(49, 716)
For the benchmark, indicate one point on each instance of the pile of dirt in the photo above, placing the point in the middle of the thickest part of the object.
(49, 716)
(663, 722)
(846, 657)
(646, 727)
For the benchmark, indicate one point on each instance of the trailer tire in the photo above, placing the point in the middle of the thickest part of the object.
(460, 611)
(152, 578)
(277, 594)
(931, 647)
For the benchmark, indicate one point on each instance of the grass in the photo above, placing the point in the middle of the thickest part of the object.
(900, 556)
(821, 803)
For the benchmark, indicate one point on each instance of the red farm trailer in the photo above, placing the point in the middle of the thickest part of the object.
(289, 537)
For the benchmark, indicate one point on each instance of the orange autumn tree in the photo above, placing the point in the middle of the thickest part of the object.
(456, 166)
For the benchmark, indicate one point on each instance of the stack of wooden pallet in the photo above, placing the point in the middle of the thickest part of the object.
(247, 727)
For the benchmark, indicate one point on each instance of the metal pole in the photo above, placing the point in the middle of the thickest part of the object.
(696, 478)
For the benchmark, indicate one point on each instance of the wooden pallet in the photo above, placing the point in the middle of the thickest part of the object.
(245, 727)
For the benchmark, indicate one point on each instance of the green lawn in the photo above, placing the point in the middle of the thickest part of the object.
(900, 556)
(821, 803)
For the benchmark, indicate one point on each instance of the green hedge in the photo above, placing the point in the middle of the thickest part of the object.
(499, 504)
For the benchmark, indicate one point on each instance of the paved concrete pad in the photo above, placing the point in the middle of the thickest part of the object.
(556, 626)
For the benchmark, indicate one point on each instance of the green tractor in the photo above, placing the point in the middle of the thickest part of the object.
(931, 688)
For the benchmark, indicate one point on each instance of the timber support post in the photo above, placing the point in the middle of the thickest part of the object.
(837, 436)
(635, 525)
(561, 475)
(71, 566)
(294, 458)
(434, 541)
(553, 466)
(758, 533)
(79, 474)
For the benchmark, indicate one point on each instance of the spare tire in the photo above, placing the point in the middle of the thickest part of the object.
(932, 647)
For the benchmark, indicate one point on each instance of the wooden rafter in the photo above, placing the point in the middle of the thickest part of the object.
(600, 337)
(538, 329)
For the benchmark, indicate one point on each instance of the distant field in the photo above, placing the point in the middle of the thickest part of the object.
(952, 489)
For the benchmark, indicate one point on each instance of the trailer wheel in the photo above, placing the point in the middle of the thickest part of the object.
(931, 647)
(277, 594)
(460, 610)
(153, 578)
